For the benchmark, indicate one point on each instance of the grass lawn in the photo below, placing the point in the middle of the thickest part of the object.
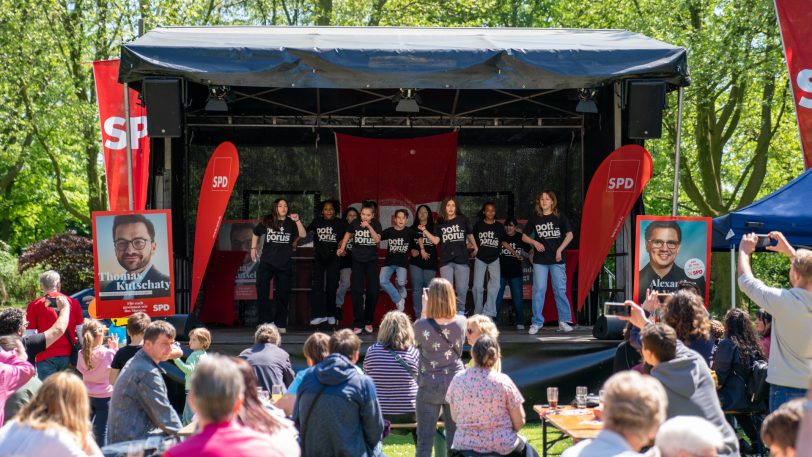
(403, 445)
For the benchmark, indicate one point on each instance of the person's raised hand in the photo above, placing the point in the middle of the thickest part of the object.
(294, 217)
(364, 224)
(748, 243)
(62, 302)
(421, 227)
(637, 316)
(782, 245)
(652, 300)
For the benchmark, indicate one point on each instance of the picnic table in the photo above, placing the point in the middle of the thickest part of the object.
(578, 424)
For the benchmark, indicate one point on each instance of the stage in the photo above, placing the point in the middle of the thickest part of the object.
(534, 362)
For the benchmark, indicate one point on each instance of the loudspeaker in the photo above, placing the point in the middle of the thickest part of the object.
(162, 99)
(644, 105)
(183, 324)
(608, 328)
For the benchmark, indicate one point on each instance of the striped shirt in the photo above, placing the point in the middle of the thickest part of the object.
(397, 389)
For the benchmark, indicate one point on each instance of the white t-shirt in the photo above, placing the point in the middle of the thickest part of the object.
(17, 440)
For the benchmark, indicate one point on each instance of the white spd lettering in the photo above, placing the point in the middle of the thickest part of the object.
(621, 183)
(548, 230)
(277, 237)
(219, 182)
(452, 233)
(804, 80)
(114, 127)
(158, 307)
(362, 237)
(326, 235)
(488, 240)
(398, 246)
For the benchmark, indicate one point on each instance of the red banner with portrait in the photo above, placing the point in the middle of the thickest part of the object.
(110, 98)
(615, 186)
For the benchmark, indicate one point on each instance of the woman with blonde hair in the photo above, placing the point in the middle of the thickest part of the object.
(54, 423)
(439, 338)
(393, 363)
(95, 363)
(477, 326)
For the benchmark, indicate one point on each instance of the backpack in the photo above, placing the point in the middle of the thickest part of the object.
(757, 387)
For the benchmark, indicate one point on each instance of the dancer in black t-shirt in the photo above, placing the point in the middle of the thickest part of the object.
(398, 238)
(345, 263)
(511, 257)
(423, 264)
(454, 232)
(327, 231)
(277, 230)
(488, 235)
(552, 233)
(365, 235)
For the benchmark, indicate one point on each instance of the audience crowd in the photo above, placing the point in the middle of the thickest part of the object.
(697, 382)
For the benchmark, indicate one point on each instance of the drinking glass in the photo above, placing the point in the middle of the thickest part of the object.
(552, 397)
(580, 396)
(600, 395)
(276, 392)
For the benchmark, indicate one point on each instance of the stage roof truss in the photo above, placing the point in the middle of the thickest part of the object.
(394, 122)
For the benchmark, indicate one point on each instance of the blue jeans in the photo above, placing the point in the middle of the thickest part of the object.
(480, 267)
(558, 271)
(457, 274)
(386, 273)
(52, 365)
(780, 395)
(516, 296)
(99, 407)
(420, 278)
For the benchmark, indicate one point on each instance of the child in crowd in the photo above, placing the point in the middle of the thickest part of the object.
(398, 238)
(94, 364)
(316, 348)
(365, 236)
(199, 342)
(137, 324)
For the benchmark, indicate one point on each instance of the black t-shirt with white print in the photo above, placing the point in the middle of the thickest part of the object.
(327, 233)
(453, 239)
(509, 265)
(278, 246)
(550, 231)
(398, 244)
(488, 239)
(364, 247)
(429, 247)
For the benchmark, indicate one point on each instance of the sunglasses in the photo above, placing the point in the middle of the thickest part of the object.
(469, 331)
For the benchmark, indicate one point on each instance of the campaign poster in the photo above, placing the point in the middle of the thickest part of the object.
(235, 235)
(132, 260)
(670, 250)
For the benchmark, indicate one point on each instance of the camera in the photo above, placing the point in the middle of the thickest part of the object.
(51, 301)
(616, 309)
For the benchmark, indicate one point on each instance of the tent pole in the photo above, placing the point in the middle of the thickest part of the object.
(129, 145)
(675, 200)
(732, 276)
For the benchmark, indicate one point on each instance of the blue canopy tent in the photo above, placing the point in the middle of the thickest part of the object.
(787, 210)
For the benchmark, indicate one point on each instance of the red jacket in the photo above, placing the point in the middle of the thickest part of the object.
(41, 318)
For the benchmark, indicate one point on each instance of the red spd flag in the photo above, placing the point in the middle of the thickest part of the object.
(795, 20)
(110, 96)
(215, 191)
(397, 173)
(612, 192)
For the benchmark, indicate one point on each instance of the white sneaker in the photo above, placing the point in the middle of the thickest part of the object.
(331, 321)
(533, 330)
(564, 327)
(357, 330)
(318, 320)
(401, 304)
(520, 327)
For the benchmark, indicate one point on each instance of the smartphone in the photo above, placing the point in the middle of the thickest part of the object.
(616, 309)
(662, 297)
(763, 241)
(51, 301)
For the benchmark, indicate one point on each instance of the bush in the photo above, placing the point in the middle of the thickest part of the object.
(68, 253)
(16, 289)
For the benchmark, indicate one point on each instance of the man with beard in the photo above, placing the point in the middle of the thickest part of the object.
(134, 241)
(663, 242)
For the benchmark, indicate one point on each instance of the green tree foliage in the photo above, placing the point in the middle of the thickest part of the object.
(69, 254)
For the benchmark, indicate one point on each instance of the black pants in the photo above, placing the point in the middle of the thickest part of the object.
(324, 297)
(364, 306)
(276, 312)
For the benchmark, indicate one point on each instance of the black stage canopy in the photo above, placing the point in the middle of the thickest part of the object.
(389, 57)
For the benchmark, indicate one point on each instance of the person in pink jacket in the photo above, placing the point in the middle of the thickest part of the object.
(94, 364)
(15, 371)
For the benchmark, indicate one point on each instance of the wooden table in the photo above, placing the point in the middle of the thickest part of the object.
(576, 426)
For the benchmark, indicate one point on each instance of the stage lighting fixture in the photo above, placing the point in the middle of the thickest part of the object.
(407, 101)
(218, 99)
(586, 101)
